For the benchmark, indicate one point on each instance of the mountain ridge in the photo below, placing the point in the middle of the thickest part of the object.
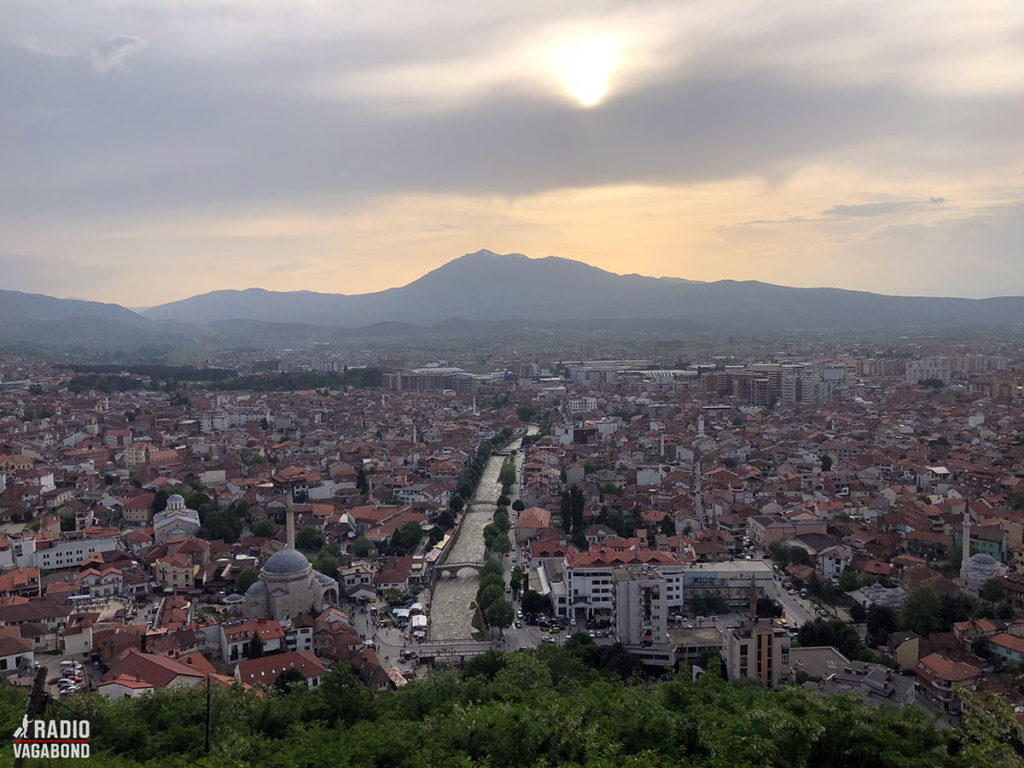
(488, 286)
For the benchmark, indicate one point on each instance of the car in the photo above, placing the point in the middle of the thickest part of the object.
(592, 633)
(519, 624)
(791, 592)
(519, 614)
(555, 630)
(550, 640)
(65, 682)
(513, 558)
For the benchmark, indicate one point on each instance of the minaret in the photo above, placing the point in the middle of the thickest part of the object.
(289, 519)
(698, 492)
(967, 546)
(663, 445)
(700, 426)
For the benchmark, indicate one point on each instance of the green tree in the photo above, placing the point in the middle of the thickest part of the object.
(263, 528)
(921, 611)
(500, 614)
(525, 412)
(284, 681)
(533, 602)
(246, 579)
(848, 581)
(393, 596)
(515, 579)
(456, 503)
(327, 564)
(501, 544)
(254, 648)
(993, 591)
(518, 505)
(309, 539)
(486, 597)
(361, 546)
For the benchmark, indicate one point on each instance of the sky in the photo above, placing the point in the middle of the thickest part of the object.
(158, 149)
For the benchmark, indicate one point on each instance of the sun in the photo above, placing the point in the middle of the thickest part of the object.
(584, 67)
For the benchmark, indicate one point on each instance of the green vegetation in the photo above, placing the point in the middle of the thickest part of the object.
(309, 538)
(263, 528)
(246, 579)
(576, 705)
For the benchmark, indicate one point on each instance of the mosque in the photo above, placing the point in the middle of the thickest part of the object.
(975, 570)
(288, 585)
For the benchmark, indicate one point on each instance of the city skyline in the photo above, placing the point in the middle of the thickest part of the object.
(159, 150)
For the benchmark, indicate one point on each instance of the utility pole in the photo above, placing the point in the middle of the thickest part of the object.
(36, 705)
(207, 714)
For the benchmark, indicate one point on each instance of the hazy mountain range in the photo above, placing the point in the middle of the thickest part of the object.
(485, 293)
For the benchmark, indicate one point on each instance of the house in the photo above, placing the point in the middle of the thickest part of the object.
(23, 582)
(15, 650)
(265, 670)
(530, 522)
(936, 676)
(832, 561)
(136, 673)
(1007, 647)
(904, 647)
(236, 635)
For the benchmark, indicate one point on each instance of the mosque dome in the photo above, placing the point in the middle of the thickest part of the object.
(286, 561)
(256, 589)
(981, 559)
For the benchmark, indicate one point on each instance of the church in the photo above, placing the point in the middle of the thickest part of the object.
(288, 585)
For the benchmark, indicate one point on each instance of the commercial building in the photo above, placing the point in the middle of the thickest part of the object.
(758, 650)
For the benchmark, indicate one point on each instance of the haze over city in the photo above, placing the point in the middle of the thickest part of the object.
(156, 150)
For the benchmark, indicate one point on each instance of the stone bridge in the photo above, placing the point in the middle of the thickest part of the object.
(455, 650)
(452, 569)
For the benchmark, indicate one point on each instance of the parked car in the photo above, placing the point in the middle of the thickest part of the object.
(550, 640)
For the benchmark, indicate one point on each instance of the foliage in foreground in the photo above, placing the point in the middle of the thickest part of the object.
(542, 708)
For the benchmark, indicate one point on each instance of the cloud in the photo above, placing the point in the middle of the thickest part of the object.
(881, 209)
(112, 52)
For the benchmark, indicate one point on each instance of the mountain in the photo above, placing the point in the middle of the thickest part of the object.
(486, 286)
(16, 307)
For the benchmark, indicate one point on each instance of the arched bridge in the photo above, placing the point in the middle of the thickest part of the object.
(452, 569)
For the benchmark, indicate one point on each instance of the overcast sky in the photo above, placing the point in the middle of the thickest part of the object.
(157, 149)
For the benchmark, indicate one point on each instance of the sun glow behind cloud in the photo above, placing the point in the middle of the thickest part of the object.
(585, 67)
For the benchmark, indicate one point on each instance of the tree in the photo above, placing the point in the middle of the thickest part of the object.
(848, 581)
(160, 501)
(435, 535)
(361, 546)
(533, 602)
(767, 608)
(327, 564)
(518, 505)
(826, 462)
(408, 537)
(309, 538)
(287, 679)
(486, 597)
(361, 484)
(393, 596)
(456, 503)
(500, 614)
(857, 613)
(501, 544)
(921, 611)
(254, 648)
(993, 591)
(263, 528)
(246, 579)
(525, 412)
(515, 579)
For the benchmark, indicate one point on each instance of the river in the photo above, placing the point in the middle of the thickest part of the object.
(451, 618)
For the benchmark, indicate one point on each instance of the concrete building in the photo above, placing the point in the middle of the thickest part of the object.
(641, 606)
(757, 650)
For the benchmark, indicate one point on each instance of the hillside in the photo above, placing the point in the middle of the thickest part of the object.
(548, 707)
(485, 286)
